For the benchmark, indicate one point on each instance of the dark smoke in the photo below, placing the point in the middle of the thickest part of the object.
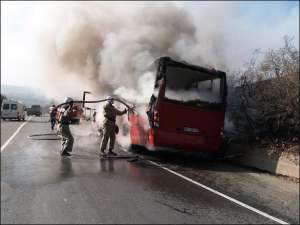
(106, 48)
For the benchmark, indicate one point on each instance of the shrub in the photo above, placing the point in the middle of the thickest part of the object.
(263, 99)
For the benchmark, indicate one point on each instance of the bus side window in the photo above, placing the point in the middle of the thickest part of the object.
(205, 85)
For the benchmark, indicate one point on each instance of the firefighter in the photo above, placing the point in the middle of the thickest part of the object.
(64, 121)
(52, 113)
(109, 126)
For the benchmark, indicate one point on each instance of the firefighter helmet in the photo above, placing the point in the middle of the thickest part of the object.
(68, 100)
(110, 99)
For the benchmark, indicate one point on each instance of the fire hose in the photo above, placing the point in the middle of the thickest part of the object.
(130, 108)
(40, 137)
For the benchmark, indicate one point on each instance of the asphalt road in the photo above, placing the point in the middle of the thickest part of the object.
(8, 128)
(39, 186)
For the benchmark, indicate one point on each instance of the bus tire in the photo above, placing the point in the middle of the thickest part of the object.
(208, 156)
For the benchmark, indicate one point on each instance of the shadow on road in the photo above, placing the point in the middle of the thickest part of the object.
(66, 167)
(192, 160)
(106, 165)
(38, 121)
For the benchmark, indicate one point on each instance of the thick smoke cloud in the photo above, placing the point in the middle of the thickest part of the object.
(64, 48)
(106, 48)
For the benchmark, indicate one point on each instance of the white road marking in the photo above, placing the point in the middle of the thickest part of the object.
(216, 192)
(220, 194)
(14, 134)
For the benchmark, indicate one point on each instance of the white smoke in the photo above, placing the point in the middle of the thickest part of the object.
(105, 47)
(181, 95)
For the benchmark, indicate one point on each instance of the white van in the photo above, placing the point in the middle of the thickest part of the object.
(12, 110)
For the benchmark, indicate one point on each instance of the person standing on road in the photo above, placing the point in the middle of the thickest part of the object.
(64, 121)
(52, 113)
(109, 126)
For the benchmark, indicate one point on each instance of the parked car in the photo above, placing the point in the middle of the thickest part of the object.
(12, 110)
(35, 110)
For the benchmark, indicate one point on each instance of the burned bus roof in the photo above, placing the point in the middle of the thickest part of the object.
(176, 63)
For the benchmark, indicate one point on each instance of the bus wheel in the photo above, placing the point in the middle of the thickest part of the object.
(206, 156)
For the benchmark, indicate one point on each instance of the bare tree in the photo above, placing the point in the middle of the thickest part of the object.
(264, 98)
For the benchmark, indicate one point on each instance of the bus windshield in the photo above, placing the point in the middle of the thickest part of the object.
(187, 85)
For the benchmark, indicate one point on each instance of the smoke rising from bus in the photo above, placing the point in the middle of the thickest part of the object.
(106, 48)
(65, 48)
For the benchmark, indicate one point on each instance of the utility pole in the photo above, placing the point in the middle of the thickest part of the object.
(83, 99)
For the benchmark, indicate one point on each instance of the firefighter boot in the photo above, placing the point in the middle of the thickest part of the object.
(110, 152)
(102, 154)
(65, 153)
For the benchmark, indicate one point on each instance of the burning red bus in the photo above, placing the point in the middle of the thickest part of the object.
(186, 110)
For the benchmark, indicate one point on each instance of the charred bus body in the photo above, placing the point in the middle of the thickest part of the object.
(186, 110)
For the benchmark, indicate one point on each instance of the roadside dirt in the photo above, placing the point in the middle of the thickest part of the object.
(286, 150)
(291, 154)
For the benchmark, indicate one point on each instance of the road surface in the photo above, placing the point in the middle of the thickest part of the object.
(39, 186)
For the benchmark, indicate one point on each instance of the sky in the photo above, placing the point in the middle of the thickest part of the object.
(256, 24)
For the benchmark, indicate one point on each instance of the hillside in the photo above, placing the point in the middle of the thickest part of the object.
(26, 95)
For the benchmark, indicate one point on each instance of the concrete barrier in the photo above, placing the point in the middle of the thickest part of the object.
(260, 159)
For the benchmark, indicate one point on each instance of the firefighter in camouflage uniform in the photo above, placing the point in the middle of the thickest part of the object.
(64, 122)
(109, 126)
